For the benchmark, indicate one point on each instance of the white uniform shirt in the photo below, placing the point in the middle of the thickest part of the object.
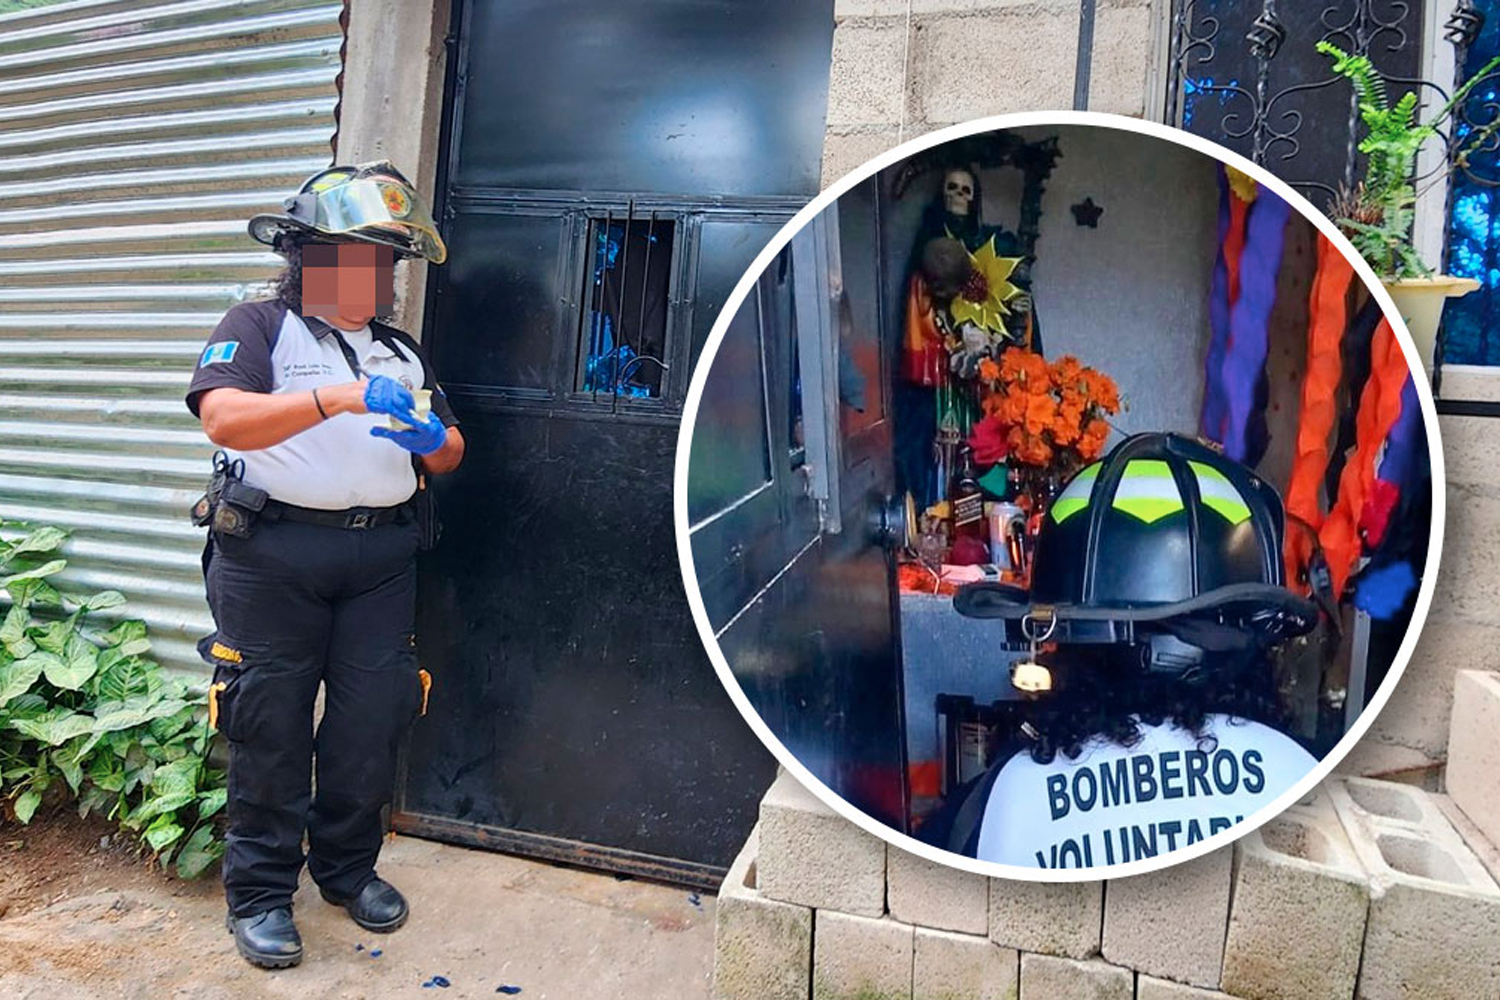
(337, 464)
(1118, 804)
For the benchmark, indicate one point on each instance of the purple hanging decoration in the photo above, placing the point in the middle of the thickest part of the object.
(1211, 419)
(1245, 357)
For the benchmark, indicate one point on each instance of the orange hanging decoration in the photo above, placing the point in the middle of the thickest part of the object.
(1328, 314)
(924, 361)
(1379, 406)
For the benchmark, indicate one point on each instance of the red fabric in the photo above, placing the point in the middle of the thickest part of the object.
(914, 578)
(1327, 316)
(1379, 505)
(1234, 242)
(926, 778)
(923, 359)
(1379, 406)
(989, 441)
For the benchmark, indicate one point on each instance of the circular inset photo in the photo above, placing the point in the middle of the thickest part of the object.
(1059, 496)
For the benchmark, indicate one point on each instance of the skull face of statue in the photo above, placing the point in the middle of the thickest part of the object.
(958, 192)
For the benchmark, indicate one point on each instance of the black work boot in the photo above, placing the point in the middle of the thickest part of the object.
(378, 907)
(269, 940)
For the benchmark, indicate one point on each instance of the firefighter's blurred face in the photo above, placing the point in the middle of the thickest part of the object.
(354, 281)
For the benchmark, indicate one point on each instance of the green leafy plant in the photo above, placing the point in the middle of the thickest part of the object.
(85, 714)
(1377, 214)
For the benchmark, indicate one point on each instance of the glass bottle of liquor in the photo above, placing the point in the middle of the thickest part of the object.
(966, 505)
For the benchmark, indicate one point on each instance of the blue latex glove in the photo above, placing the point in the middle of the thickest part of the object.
(385, 395)
(424, 437)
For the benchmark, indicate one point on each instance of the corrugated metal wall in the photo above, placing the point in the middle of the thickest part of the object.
(135, 140)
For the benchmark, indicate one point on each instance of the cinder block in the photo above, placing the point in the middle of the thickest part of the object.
(1052, 918)
(1384, 802)
(1421, 708)
(1434, 925)
(1147, 988)
(1469, 585)
(866, 82)
(1474, 749)
(850, 146)
(1121, 60)
(1170, 923)
(1297, 923)
(867, 8)
(861, 958)
(921, 892)
(812, 856)
(1486, 850)
(956, 61)
(951, 966)
(762, 948)
(1044, 977)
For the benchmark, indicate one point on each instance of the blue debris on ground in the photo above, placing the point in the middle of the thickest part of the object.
(508, 990)
(696, 900)
(375, 953)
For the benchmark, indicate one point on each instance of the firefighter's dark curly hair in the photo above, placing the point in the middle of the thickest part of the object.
(1103, 693)
(286, 287)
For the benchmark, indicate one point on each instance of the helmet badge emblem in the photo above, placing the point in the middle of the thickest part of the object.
(396, 200)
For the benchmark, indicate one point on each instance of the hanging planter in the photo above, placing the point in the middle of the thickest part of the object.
(1420, 301)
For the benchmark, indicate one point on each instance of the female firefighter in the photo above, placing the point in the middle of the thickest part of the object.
(317, 509)
(1158, 575)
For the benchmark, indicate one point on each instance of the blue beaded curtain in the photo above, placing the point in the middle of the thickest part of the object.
(1471, 336)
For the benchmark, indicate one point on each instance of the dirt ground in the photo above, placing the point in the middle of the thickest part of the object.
(81, 917)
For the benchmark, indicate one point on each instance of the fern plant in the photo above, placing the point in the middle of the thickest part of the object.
(1377, 215)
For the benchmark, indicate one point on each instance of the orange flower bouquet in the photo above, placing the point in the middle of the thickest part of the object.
(1050, 415)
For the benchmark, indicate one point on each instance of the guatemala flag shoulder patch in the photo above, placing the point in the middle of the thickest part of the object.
(220, 353)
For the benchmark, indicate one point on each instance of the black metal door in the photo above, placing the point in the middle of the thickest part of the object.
(790, 478)
(610, 170)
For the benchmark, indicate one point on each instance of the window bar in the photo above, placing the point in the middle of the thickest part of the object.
(640, 323)
(596, 298)
(617, 351)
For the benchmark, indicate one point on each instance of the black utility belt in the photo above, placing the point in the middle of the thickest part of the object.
(233, 507)
(350, 519)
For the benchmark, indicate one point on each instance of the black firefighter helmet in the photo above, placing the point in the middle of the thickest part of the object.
(366, 202)
(1165, 543)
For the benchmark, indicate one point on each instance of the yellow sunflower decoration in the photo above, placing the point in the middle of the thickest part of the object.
(982, 301)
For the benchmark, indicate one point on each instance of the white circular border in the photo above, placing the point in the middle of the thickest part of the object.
(684, 541)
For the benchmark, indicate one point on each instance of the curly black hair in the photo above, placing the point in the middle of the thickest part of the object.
(1104, 693)
(286, 287)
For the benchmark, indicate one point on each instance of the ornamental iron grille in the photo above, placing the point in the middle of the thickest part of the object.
(1248, 76)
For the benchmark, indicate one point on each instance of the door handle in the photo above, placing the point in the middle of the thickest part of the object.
(895, 522)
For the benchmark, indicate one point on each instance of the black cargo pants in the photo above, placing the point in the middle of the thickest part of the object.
(297, 604)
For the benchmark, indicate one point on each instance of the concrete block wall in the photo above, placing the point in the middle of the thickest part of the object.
(1143, 925)
(1434, 920)
(1364, 889)
(1296, 923)
(902, 68)
(1473, 775)
(1462, 631)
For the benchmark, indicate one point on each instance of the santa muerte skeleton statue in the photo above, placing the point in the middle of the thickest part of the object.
(968, 298)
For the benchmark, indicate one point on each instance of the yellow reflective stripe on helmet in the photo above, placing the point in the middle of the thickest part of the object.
(1147, 490)
(1219, 493)
(1076, 497)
